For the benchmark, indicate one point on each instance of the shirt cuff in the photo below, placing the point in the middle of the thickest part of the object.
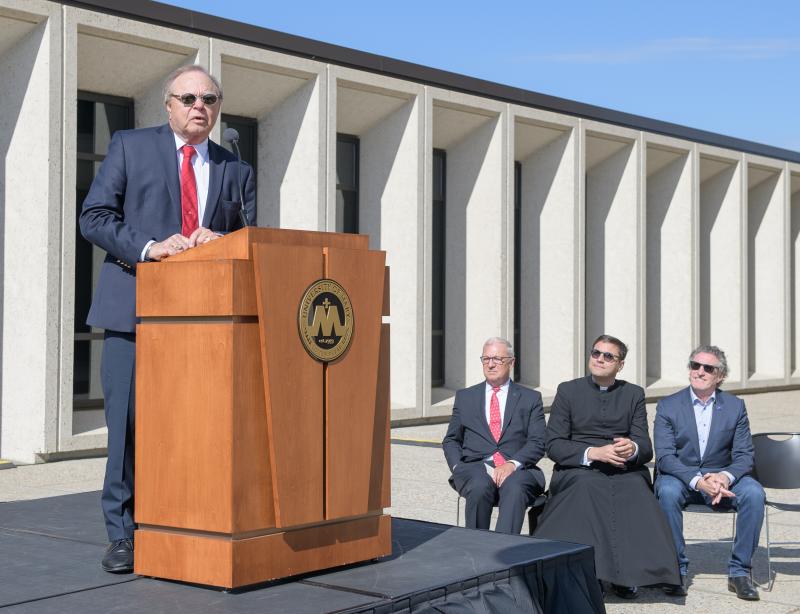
(730, 477)
(517, 464)
(143, 255)
(635, 452)
(695, 480)
(586, 462)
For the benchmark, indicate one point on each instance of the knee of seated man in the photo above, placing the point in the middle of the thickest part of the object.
(750, 492)
(669, 488)
(480, 485)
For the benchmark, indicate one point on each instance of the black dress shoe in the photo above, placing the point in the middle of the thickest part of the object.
(677, 590)
(119, 557)
(625, 592)
(743, 587)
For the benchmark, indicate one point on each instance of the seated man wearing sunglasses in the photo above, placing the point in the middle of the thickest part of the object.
(601, 492)
(158, 192)
(704, 454)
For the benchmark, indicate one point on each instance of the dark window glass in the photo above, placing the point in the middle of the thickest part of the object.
(248, 137)
(517, 266)
(438, 263)
(347, 162)
(99, 117)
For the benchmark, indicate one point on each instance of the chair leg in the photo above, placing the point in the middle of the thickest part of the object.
(770, 578)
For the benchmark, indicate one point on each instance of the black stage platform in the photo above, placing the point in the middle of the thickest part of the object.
(50, 551)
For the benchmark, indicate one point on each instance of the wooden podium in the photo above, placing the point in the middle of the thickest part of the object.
(255, 461)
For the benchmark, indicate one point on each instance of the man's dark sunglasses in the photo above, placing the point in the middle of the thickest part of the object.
(187, 100)
(694, 366)
(607, 356)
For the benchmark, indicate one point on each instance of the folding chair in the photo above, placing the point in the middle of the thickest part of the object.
(777, 465)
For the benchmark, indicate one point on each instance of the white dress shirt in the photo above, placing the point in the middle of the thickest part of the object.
(200, 165)
(702, 416)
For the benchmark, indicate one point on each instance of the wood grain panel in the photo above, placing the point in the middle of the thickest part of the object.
(309, 549)
(188, 558)
(253, 504)
(355, 432)
(221, 561)
(293, 383)
(184, 417)
(238, 245)
(212, 288)
(380, 481)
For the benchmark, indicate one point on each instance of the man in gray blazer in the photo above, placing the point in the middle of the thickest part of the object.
(495, 438)
(704, 454)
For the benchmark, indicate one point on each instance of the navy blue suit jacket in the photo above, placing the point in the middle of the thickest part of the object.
(136, 197)
(729, 447)
(469, 439)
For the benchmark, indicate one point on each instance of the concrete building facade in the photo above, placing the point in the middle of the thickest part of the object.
(502, 212)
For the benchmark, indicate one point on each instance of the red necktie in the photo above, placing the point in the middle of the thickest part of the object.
(495, 424)
(188, 193)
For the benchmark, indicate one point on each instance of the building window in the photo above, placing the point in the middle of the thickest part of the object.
(347, 183)
(438, 264)
(247, 128)
(99, 117)
(517, 266)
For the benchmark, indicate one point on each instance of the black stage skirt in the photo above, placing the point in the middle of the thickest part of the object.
(617, 513)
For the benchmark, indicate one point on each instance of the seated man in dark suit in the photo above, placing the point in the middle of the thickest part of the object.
(704, 454)
(495, 439)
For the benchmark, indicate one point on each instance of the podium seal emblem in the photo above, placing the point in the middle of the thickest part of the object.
(325, 320)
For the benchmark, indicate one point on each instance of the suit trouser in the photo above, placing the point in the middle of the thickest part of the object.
(513, 498)
(117, 373)
(673, 496)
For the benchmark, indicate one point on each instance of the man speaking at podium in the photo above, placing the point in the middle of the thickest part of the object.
(495, 438)
(159, 192)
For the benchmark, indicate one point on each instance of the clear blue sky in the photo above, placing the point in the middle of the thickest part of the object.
(727, 66)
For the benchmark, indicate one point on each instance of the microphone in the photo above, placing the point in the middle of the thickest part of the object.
(231, 135)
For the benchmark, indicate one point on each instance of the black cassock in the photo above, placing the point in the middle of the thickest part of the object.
(610, 508)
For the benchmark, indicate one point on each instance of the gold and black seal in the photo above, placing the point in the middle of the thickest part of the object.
(325, 320)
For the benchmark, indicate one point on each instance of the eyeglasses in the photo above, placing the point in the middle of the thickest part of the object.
(188, 100)
(694, 366)
(501, 360)
(607, 356)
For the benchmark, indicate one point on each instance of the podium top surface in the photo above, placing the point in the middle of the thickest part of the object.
(237, 245)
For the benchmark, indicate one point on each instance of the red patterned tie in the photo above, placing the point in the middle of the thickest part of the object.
(188, 193)
(495, 424)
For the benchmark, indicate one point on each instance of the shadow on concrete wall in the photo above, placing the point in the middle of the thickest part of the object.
(602, 184)
(661, 188)
(758, 201)
(713, 193)
(464, 163)
(380, 147)
(538, 175)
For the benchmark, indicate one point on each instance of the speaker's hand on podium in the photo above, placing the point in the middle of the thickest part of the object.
(202, 235)
(170, 246)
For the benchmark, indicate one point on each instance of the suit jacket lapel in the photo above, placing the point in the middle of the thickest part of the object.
(215, 172)
(169, 159)
(689, 411)
(479, 402)
(511, 405)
